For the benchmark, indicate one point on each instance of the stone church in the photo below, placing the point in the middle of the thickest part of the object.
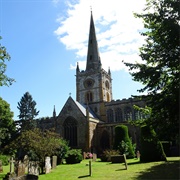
(89, 121)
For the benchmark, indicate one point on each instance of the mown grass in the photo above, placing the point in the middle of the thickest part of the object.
(108, 171)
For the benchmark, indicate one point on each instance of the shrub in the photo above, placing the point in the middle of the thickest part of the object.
(74, 156)
(4, 159)
(122, 141)
(106, 156)
(151, 147)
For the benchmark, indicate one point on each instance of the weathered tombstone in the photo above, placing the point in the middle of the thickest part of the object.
(1, 167)
(11, 161)
(20, 169)
(26, 162)
(84, 155)
(47, 165)
(119, 159)
(33, 168)
(94, 156)
(54, 162)
(138, 154)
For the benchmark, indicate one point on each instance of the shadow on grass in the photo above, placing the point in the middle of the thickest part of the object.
(84, 176)
(168, 170)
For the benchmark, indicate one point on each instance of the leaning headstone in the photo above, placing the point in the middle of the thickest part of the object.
(1, 167)
(33, 168)
(47, 165)
(54, 162)
(84, 155)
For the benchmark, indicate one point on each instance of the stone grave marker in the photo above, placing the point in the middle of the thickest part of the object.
(47, 165)
(19, 168)
(54, 162)
(1, 167)
(33, 168)
(11, 161)
(94, 156)
(26, 162)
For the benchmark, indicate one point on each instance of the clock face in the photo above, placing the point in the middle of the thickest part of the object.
(89, 83)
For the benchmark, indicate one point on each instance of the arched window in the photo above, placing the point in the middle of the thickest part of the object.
(118, 115)
(70, 131)
(89, 97)
(108, 98)
(127, 113)
(104, 141)
(110, 115)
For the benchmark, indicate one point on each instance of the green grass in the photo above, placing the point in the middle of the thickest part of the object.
(103, 170)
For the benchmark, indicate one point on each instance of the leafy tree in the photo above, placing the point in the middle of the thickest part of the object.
(4, 56)
(159, 70)
(27, 110)
(7, 126)
(37, 144)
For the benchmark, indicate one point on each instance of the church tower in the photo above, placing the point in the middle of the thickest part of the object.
(94, 85)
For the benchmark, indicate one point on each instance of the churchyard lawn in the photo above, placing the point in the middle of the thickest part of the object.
(104, 170)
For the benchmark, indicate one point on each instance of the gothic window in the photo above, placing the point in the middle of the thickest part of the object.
(127, 113)
(70, 131)
(118, 115)
(104, 141)
(108, 98)
(89, 97)
(110, 115)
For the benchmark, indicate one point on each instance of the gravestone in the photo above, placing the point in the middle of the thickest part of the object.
(33, 168)
(54, 162)
(119, 159)
(94, 156)
(11, 161)
(26, 162)
(19, 168)
(84, 155)
(1, 167)
(47, 165)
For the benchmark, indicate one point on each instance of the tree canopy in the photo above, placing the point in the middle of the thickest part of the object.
(159, 70)
(4, 56)
(26, 106)
(7, 126)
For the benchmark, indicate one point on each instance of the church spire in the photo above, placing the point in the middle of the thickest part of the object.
(54, 112)
(93, 58)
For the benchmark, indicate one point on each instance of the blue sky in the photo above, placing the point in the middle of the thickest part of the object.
(46, 38)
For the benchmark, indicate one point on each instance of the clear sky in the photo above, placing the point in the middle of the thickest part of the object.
(46, 38)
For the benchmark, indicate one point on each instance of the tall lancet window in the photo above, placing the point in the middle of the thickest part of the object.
(89, 97)
(70, 131)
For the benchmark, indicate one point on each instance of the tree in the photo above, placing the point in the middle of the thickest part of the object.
(159, 70)
(27, 108)
(38, 144)
(4, 79)
(7, 126)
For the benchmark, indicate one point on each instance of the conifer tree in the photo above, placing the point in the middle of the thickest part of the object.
(27, 109)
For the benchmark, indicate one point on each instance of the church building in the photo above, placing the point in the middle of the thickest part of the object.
(88, 122)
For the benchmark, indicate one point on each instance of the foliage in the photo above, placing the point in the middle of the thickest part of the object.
(151, 147)
(106, 156)
(159, 70)
(27, 111)
(4, 79)
(37, 144)
(74, 156)
(4, 159)
(7, 126)
(121, 134)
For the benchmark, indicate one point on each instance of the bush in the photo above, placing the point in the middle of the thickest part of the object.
(151, 147)
(74, 156)
(122, 141)
(106, 156)
(4, 159)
